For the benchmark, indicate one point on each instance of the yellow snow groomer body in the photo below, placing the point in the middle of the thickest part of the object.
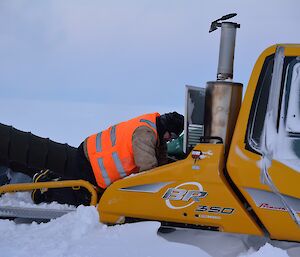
(252, 188)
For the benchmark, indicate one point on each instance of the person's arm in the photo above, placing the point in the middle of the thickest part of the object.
(162, 153)
(144, 148)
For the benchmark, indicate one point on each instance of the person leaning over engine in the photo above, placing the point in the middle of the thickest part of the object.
(128, 147)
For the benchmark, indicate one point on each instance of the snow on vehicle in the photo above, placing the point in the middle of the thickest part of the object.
(240, 171)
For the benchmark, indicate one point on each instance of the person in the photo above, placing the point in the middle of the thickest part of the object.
(128, 147)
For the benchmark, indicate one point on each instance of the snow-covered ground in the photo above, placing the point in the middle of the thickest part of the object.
(79, 234)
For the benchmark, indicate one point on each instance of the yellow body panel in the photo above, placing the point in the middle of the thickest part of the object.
(144, 195)
(244, 167)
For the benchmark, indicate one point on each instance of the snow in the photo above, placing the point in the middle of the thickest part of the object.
(23, 199)
(268, 250)
(80, 234)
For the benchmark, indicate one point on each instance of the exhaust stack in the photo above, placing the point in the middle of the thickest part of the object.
(223, 97)
(227, 45)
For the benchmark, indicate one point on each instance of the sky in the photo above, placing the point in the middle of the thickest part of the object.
(71, 68)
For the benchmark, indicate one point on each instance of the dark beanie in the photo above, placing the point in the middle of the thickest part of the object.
(172, 122)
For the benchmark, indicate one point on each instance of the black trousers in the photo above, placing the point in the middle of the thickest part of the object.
(27, 153)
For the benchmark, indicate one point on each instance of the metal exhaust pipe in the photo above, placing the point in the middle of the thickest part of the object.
(223, 97)
(226, 53)
(227, 45)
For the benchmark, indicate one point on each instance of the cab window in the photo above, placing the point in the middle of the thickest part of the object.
(288, 109)
(259, 107)
(293, 98)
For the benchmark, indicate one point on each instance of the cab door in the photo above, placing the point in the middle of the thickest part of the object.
(264, 158)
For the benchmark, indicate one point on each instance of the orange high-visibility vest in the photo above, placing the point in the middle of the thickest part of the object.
(110, 151)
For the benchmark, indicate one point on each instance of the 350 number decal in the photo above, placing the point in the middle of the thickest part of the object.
(215, 209)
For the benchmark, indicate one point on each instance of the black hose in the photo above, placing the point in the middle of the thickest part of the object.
(27, 153)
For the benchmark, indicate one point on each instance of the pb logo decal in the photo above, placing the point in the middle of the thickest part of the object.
(187, 197)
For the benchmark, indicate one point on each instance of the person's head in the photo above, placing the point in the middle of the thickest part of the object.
(169, 125)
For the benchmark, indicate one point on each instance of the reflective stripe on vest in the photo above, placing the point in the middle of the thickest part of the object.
(98, 143)
(113, 135)
(115, 156)
(104, 172)
(149, 122)
(105, 159)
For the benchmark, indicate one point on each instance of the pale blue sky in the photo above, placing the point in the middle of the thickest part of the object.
(69, 68)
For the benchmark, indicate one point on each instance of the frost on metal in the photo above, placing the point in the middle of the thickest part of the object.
(276, 144)
(287, 149)
(293, 111)
(281, 144)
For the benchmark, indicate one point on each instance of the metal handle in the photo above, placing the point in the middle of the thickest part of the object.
(53, 184)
